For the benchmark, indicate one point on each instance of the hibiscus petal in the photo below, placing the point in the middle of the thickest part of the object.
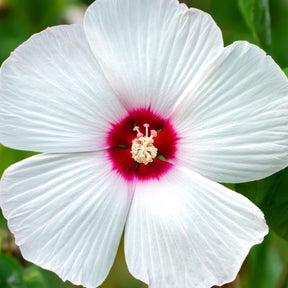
(150, 49)
(67, 212)
(187, 231)
(233, 121)
(53, 95)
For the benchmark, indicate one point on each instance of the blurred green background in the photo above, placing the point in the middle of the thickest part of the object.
(257, 21)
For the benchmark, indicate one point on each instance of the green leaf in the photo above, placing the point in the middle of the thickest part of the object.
(161, 157)
(271, 196)
(36, 277)
(260, 272)
(33, 277)
(37, 15)
(10, 273)
(52, 280)
(257, 16)
(247, 10)
(12, 35)
(10, 156)
(123, 146)
(286, 71)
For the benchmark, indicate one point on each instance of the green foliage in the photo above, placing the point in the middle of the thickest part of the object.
(271, 196)
(257, 16)
(264, 265)
(286, 71)
(11, 275)
(9, 156)
(12, 34)
(33, 277)
(37, 15)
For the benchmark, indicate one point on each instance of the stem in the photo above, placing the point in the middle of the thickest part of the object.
(282, 282)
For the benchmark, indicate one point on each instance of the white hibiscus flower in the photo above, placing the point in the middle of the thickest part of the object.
(81, 95)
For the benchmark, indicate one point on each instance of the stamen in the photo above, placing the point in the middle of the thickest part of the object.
(143, 150)
(139, 134)
(146, 126)
(153, 133)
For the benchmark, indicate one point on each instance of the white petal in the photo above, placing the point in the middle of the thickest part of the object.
(67, 213)
(187, 231)
(233, 121)
(53, 95)
(150, 49)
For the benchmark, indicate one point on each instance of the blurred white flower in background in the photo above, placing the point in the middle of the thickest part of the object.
(74, 14)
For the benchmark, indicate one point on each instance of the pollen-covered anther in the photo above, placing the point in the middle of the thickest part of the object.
(143, 150)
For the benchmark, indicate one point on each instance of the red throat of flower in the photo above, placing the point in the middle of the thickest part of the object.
(134, 154)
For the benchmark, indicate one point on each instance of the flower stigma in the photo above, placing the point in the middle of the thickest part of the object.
(143, 150)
